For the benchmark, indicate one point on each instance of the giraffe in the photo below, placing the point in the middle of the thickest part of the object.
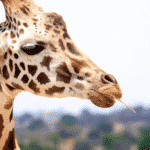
(37, 55)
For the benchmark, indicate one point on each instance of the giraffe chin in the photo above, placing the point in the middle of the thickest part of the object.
(102, 100)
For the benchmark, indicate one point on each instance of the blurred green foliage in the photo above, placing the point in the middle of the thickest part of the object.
(143, 141)
(71, 128)
(109, 141)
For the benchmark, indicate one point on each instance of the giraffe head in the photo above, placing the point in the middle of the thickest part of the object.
(38, 56)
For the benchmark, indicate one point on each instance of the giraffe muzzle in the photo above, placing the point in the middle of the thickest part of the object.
(106, 95)
(103, 100)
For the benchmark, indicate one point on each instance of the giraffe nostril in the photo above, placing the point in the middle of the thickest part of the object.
(107, 78)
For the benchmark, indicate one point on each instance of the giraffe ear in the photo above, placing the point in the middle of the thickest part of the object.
(57, 19)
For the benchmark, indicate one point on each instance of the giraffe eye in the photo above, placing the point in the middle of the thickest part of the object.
(32, 49)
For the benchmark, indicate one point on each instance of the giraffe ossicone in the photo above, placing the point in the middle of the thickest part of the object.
(37, 55)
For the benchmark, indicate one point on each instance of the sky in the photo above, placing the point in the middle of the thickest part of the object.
(116, 36)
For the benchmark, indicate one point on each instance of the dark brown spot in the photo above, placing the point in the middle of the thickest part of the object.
(32, 69)
(3, 29)
(63, 74)
(10, 18)
(65, 35)
(80, 78)
(10, 87)
(25, 10)
(21, 31)
(46, 62)
(14, 20)
(19, 23)
(34, 19)
(7, 18)
(5, 72)
(52, 47)
(25, 79)
(6, 34)
(17, 35)
(35, 23)
(56, 31)
(32, 85)
(42, 78)
(87, 74)
(41, 43)
(11, 116)
(48, 15)
(71, 89)
(9, 26)
(10, 52)
(1, 87)
(14, 27)
(61, 44)
(89, 81)
(1, 125)
(25, 24)
(10, 142)
(10, 10)
(54, 89)
(14, 41)
(17, 86)
(11, 65)
(17, 71)
(9, 104)
(72, 49)
(16, 56)
(22, 65)
(79, 86)
(78, 64)
(12, 35)
(47, 26)
(5, 56)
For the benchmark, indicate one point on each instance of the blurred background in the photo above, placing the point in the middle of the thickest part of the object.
(116, 36)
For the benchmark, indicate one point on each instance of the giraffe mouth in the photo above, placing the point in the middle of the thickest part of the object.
(103, 99)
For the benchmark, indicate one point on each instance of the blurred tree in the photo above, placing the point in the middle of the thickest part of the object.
(68, 121)
(111, 140)
(143, 141)
(93, 135)
(64, 134)
(103, 127)
(36, 125)
(68, 126)
(54, 138)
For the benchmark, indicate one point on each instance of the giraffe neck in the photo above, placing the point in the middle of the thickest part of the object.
(8, 140)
